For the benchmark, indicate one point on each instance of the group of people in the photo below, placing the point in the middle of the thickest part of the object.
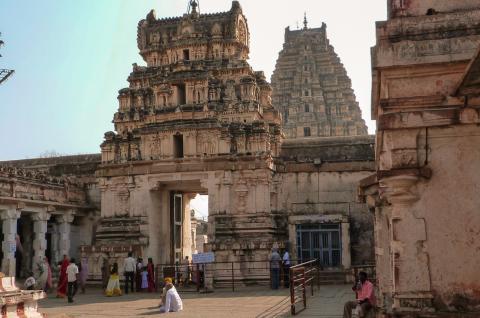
(144, 278)
(278, 262)
(71, 277)
(135, 272)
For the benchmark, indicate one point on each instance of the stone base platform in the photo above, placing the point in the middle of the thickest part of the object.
(18, 303)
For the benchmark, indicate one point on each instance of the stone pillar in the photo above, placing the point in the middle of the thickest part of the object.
(55, 244)
(9, 244)
(411, 286)
(187, 226)
(39, 241)
(64, 222)
(346, 257)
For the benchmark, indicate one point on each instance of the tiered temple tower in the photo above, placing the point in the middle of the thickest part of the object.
(195, 119)
(311, 88)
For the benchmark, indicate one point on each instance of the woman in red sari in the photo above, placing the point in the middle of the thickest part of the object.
(151, 275)
(62, 280)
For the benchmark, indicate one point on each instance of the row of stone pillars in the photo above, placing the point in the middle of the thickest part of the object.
(9, 245)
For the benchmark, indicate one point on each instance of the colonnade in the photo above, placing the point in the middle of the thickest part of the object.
(60, 240)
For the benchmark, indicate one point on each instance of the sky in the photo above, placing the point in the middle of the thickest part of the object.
(71, 57)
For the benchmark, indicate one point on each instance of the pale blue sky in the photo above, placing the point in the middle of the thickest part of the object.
(71, 57)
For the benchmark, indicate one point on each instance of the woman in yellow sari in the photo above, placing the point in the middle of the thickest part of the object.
(113, 287)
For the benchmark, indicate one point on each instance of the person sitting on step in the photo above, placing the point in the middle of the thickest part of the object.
(365, 298)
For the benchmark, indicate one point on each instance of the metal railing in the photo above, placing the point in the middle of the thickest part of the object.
(301, 276)
(208, 276)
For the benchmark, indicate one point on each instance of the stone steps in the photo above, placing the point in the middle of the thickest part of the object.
(332, 277)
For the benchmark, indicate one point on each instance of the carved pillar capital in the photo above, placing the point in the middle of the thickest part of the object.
(11, 214)
(41, 216)
(66, 217)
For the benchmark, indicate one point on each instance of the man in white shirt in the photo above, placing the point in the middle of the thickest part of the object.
(286, 269)
(129, 267)
(173, 302)
(72, 271)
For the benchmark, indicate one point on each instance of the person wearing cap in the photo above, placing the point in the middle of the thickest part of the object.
(166, 281)
(171, 302)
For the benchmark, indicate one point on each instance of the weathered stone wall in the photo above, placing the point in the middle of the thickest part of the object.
(448, 207)
(318, 183)
(421, 7)
(426, 103)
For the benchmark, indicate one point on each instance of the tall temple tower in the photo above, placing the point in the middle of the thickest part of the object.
(195, 119)
(311, 88)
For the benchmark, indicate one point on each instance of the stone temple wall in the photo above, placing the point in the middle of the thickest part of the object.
(318, 180)
(426, 102)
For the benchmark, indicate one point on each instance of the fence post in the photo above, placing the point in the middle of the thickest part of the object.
(304, 289)
(270, 273)
(311, 279)
(198, 277)
(292, 293)
(233, 279)
(318, 275)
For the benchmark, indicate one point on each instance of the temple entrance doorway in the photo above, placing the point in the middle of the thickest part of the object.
(199, 213)
(177, 207)
(188, 212)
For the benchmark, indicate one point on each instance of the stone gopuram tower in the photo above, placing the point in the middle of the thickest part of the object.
(311, 88)
(195, 119)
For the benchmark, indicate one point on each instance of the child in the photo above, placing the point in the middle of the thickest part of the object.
(144, 278)
(30, 282)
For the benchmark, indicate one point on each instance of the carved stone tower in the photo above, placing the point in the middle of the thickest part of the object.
(195, 119)
(311, 88)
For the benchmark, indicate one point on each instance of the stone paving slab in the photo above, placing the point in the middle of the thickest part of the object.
(248, 303)
(329, 302)
(252, 302)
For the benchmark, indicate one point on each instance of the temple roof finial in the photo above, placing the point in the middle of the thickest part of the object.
(305, 22)
(192, 7)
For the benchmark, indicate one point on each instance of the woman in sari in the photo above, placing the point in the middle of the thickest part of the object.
(113, 287)
(49, 277)
(44, 273)
(151, 275)
(62, 280)
(83, 273)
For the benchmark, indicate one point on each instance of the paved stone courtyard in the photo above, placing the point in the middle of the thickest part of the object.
(258, 302)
